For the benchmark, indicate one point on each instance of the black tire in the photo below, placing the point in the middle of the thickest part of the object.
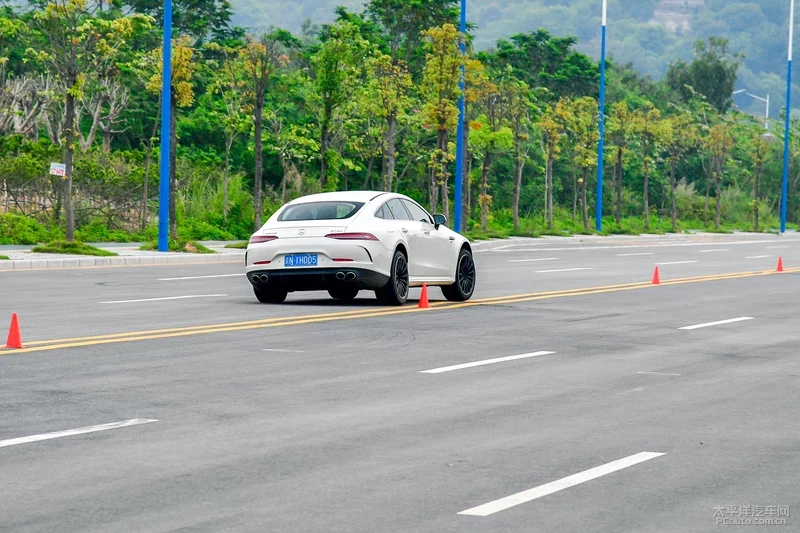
(270, 295)
(343, 293)
(395, 292)
(462, 289)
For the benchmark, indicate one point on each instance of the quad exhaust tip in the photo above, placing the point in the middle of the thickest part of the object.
(262, 278)
(340, 275)
(351, 275)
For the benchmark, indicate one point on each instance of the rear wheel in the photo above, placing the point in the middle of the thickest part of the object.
(462, 289)
(395, 292)
(270, 295)
(343, 293)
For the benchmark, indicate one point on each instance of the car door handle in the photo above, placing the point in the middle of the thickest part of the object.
(404, 230)
(452, 239)
(427, 232)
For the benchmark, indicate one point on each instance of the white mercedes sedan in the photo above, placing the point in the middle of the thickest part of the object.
(344, 242)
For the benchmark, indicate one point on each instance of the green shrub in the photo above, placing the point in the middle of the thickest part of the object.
(4, 258)
(74, 248)
(16, 229)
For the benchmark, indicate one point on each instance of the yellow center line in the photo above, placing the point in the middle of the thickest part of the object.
(56, 344)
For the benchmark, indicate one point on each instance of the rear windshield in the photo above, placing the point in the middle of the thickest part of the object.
(320, 211)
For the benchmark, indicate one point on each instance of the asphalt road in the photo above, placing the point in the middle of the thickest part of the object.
(314, 416)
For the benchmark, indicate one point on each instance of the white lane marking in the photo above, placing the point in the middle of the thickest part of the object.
(758, 257)
(281, 350)
(584, 246)
(678, 263)
(203, 277)
(77, 431)
(634, 255)
(555, 486)
(659, 373)
(561, 270)
(718, 323)
(530, 260)
(714, 250)
(484, 362)
(775, 247)
(162, 299)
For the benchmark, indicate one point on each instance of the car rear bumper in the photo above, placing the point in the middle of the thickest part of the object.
(317, 279)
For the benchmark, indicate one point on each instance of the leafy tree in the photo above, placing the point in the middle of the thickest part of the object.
(520, 112)
(712, 73)
(203, 20)
(651, 131)
(440, 91)
(337, 69)
(680, 137)
(621, 125)
(389, 98)
(580, 117)
(261, 56)
(551, 126)
(77, 47)
(719, 143)
(181, 95)
(229, 81)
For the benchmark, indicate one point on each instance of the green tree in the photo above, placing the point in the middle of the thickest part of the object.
(680, 137)
(520, 110)
(551, 126)
(719, 143)
(581, 118)
(712, 73)
(440, 91)
(262, 55)
(78, 47)
(620, 130)
(337, 68)
(650, 129)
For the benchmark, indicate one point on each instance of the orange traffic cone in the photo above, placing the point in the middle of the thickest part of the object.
(14, 335)
(780, 264)
(656, 279)
(423, 298)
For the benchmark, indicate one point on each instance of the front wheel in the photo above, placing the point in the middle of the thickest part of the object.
(462, 289)
(395, 292)
(270, 295)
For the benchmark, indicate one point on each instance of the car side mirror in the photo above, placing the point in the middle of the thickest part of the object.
(439, 220)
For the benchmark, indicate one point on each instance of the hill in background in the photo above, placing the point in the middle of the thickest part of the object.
(648, 33)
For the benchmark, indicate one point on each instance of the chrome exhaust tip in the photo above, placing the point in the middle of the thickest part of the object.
(264, 278)
(340, 275)
(351, 275)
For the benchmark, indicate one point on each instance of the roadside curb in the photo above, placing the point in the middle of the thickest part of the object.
(90, 262)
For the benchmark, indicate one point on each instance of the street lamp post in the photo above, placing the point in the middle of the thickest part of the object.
(598, 224)
(457, 208)
(765, 100)
(788, 113)
(166, 94)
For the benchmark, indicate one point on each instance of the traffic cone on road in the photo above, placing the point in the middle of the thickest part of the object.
(423, 298)
(780, 264)
(14, 335)
(656, 279)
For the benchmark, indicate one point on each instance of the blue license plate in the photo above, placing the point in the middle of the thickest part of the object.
(300, 260)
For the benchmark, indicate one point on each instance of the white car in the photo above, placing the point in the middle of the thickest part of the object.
(344, 242)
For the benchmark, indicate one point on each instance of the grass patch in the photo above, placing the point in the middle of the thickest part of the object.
(74, 248)
(4, 258)
(237, 245)
(178, 245)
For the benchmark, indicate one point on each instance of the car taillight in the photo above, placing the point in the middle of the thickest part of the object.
(256, 239)
(352, 236)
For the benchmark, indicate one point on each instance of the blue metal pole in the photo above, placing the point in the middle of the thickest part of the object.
(785, 189)
(166, 94)
(457, 214)
(598, 223)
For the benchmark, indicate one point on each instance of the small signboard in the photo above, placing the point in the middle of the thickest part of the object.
(58, 169)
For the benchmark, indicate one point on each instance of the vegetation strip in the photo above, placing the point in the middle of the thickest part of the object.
(55, 344)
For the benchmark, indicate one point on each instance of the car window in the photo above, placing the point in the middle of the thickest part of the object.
(418, 214)
(382, 213)
(396, 209)
(336, 210)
